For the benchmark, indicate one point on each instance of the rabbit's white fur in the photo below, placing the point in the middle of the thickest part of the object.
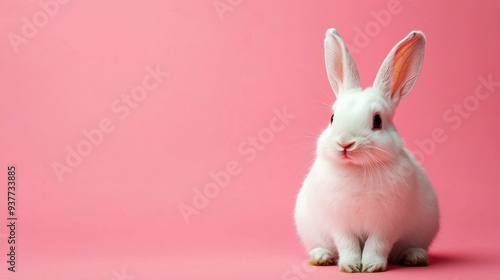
(366, 200)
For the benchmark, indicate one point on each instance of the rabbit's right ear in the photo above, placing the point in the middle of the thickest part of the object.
(340, 67)
(401, 67)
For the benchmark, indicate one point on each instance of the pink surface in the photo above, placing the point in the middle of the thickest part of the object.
(239, 94)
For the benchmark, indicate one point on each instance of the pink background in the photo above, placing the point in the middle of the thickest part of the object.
(116, 215)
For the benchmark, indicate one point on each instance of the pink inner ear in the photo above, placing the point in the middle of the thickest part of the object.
(338, 63)
(402, 59)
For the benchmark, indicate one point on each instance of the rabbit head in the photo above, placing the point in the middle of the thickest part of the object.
(361, 129)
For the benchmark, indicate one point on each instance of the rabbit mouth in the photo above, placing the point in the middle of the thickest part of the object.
(344, 155)
(357, 157)
(364, 156)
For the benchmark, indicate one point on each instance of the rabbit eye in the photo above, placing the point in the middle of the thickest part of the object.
(377, 122)
(331, 119)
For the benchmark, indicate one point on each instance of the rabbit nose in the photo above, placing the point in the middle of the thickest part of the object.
(347, 145)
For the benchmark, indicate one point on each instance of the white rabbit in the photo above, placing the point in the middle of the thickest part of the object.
(366, 201)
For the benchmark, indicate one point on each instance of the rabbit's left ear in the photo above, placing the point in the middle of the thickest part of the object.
(400, 69)
(340, 67)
